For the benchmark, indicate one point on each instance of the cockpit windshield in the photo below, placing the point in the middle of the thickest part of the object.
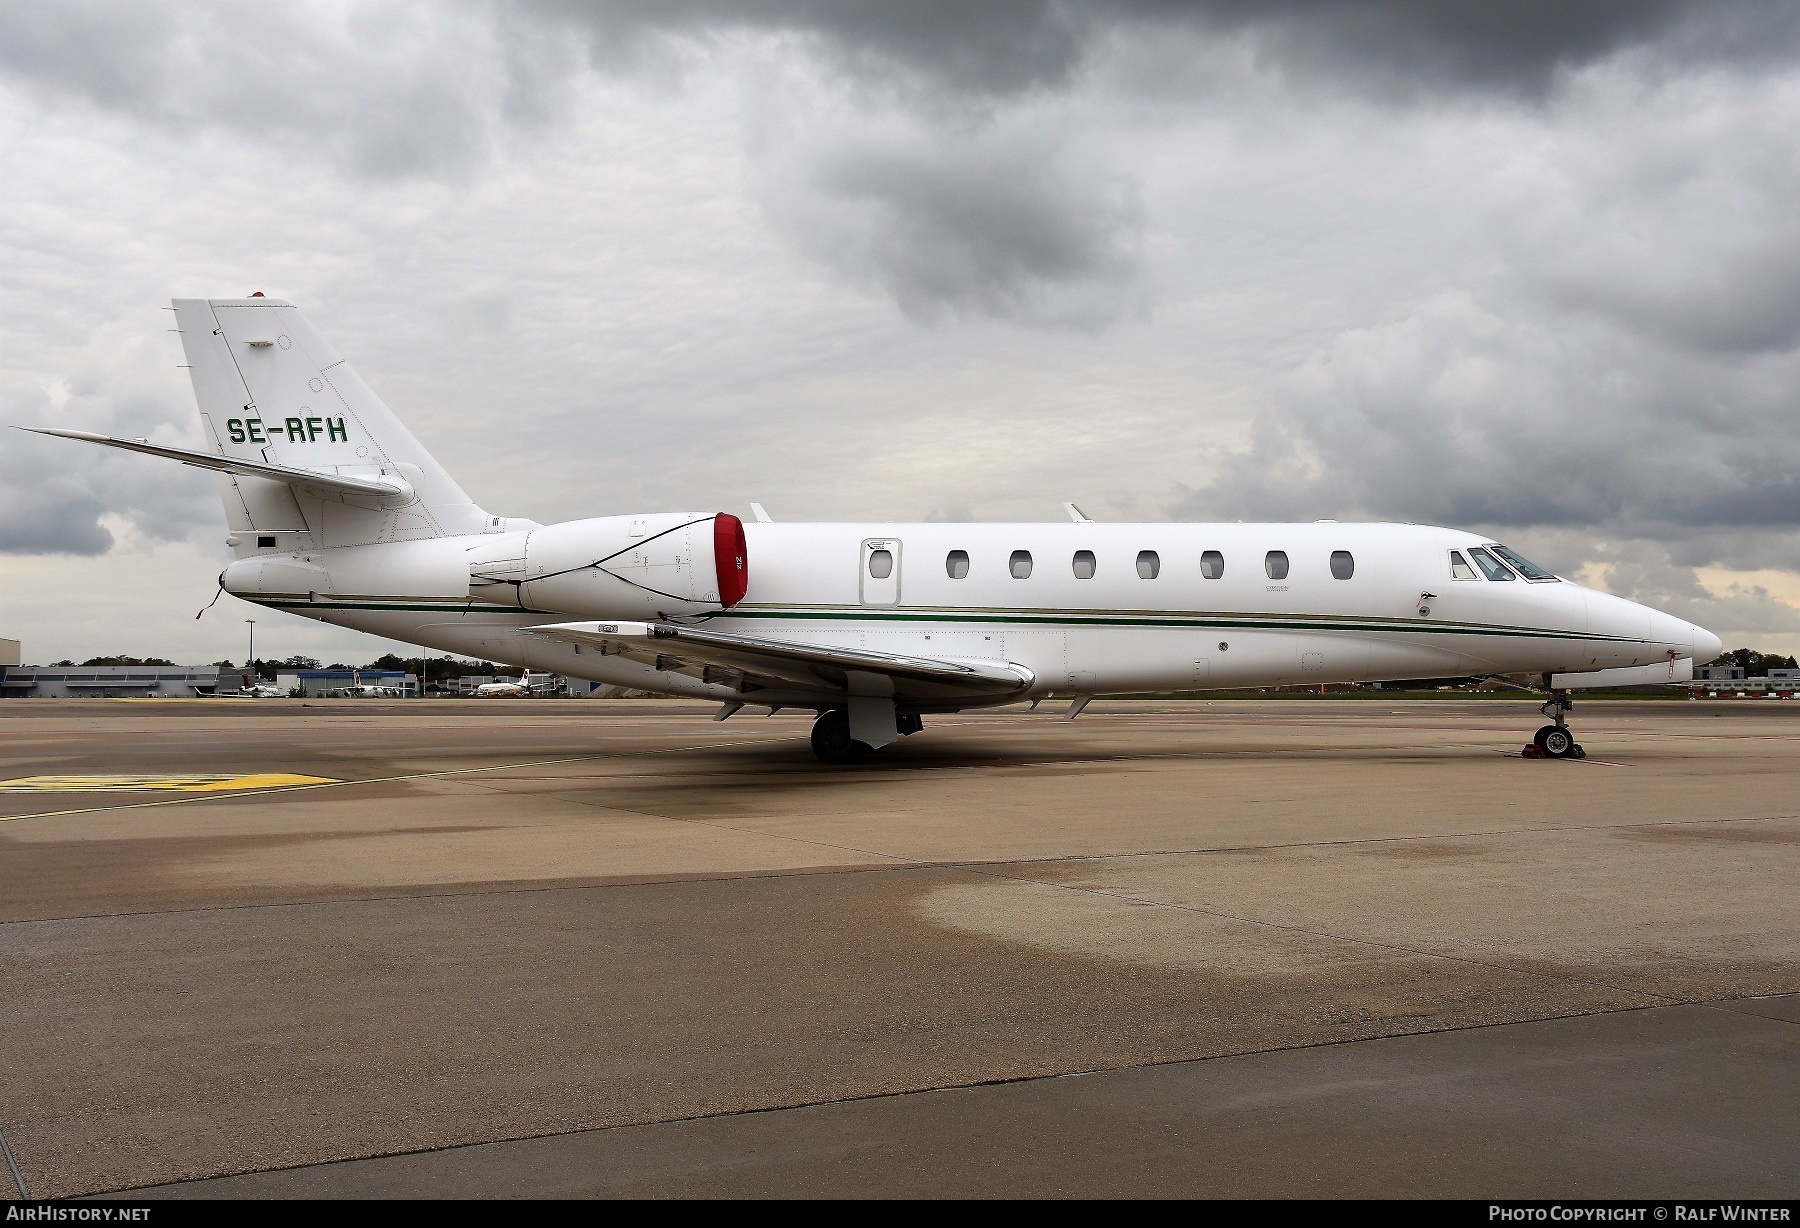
(1524, 566)
(1491, 567)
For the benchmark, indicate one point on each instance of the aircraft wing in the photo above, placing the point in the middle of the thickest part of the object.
(754, 663)
(384, 486)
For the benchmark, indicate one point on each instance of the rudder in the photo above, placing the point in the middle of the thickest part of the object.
(271, 389)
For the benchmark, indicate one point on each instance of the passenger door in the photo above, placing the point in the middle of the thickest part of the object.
(880, 571)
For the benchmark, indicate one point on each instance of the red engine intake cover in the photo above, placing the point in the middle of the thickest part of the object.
(731, 558)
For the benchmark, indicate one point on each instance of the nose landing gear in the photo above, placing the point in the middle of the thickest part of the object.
(1555, 740)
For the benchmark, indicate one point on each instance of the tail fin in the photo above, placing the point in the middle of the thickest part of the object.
(272, 391)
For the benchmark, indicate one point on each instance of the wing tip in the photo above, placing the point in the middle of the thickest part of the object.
(85, 436)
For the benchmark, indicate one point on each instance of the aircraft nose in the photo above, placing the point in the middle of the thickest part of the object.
(1707, 646)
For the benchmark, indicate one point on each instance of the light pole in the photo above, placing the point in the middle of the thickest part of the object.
(252, 661)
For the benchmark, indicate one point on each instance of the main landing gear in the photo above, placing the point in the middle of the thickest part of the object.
(1555, 740)
(831, 740)
(832, 743)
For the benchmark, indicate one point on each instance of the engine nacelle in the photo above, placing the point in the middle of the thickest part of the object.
(617, 566)
(431, 568)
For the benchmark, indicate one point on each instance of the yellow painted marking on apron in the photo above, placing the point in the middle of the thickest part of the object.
(190, 782)
(383, 780)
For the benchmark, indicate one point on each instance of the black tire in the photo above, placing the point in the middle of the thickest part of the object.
(831, 740)
(1557, 742)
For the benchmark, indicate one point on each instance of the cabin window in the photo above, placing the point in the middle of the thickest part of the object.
(1148, 564)
(1342, 565)
(1491, 567)
(265, 543)
(1020, 564)
(1275, 563)
(1459, 567)
(881, 564)
(956, 564)
(1212, 564)
(1083, 564)
(1524, 566)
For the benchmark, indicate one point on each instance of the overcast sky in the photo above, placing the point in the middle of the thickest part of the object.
(1531, 269)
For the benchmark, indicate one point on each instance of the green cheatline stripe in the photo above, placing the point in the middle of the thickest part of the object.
(1290, 622)
(1279, 622)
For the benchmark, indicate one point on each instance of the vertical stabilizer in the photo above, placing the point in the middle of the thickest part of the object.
(270, 389)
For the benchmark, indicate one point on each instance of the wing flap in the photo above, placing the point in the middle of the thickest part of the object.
(813, 666)
(388, 488)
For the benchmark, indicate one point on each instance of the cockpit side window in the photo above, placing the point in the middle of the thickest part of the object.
(1491, 567)
(1524, 566)
(1459, 567)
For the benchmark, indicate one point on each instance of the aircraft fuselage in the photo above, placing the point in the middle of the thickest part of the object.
(1086, 608)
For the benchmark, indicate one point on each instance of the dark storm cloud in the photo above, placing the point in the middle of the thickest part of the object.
(976, 217)
(1412, 46)
(1015, 46)
(379, 90)
(991, 226)
(49, 515)
(1745, 304)
(160, 60)
(54, 492)
(1002, 47)
(1772, 502)
(1458, 415)
(973, 218)
(1648, 573)
(408, 88)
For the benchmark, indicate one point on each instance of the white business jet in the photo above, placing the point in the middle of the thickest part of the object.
(358, 689)
(257, 689)
(337, 513)
(505, 688)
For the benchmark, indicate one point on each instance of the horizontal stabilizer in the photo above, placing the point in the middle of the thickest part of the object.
(819, 667)
(390, 489)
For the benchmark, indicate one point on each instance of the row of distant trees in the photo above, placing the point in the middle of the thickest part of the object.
(436, 668)
(1756, 664)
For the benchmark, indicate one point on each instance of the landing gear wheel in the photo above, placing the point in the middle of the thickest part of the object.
(831, 740)
(1555, 741)
(1558, 742)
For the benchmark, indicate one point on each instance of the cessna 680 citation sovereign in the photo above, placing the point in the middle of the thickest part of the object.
(337, 513)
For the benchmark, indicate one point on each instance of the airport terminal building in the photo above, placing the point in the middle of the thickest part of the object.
(1737, 673)
(113, 681)
(317, 683)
